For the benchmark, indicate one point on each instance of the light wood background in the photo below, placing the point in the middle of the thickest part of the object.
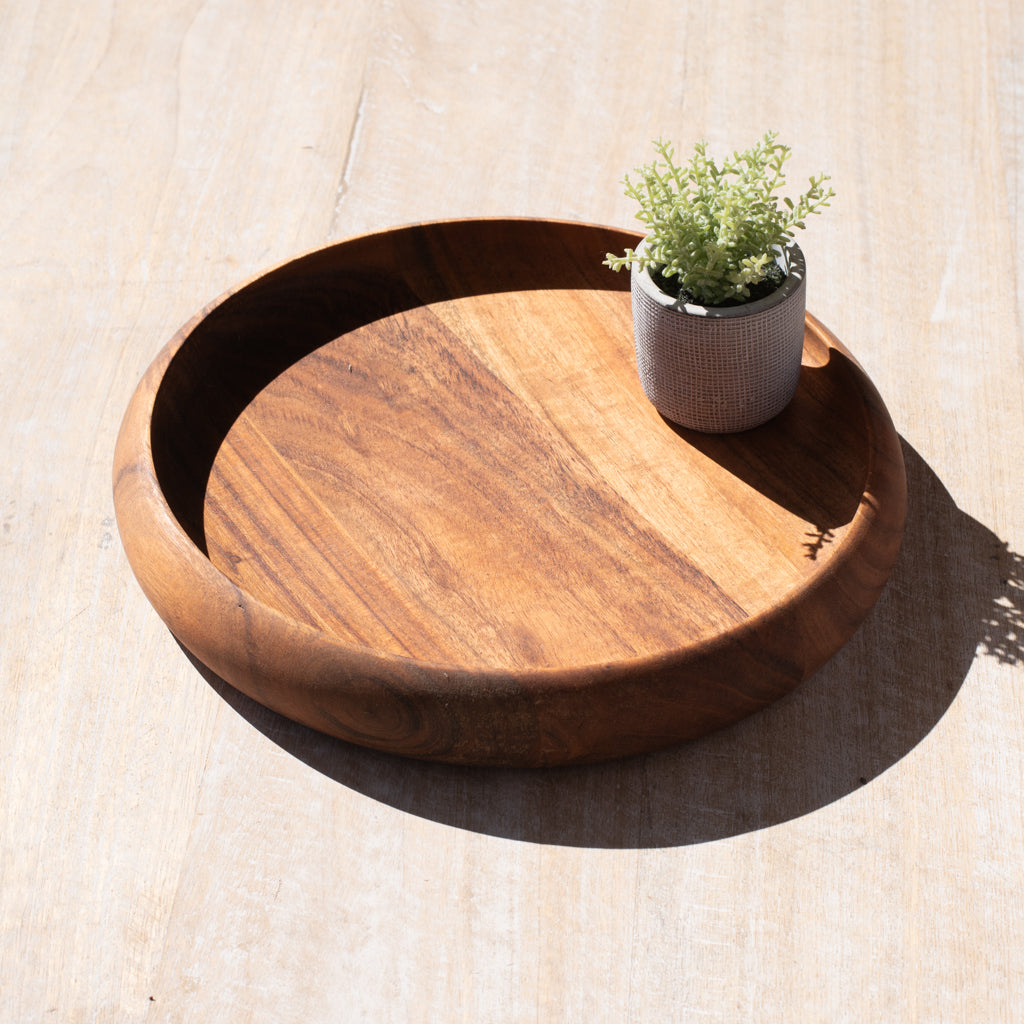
(171, 852)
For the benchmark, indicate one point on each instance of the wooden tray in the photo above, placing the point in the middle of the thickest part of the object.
(407, 490)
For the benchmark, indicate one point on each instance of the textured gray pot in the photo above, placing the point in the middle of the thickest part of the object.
(720, 370)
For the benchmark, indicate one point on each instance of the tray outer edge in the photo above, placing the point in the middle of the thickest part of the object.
(542, 717)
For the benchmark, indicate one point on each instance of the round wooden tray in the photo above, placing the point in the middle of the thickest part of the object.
(407, 490)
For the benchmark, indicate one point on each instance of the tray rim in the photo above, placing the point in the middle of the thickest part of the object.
(165, 554)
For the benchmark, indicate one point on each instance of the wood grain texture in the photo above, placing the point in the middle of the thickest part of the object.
(172, 851)
(432, 512)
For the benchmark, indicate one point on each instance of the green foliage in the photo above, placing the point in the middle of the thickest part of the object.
(717, 228)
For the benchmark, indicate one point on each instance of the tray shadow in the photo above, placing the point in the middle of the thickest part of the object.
(956, 591)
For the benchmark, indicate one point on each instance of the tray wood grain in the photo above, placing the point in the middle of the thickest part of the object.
(407, 490)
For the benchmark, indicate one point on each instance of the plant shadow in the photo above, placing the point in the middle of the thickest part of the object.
(956, 591)
(813, 458)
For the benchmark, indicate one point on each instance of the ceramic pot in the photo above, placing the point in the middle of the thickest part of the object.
(720, 369)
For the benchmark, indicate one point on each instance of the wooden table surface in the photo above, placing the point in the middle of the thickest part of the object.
(170, 851)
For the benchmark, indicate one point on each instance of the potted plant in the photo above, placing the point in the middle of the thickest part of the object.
(718, 285)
